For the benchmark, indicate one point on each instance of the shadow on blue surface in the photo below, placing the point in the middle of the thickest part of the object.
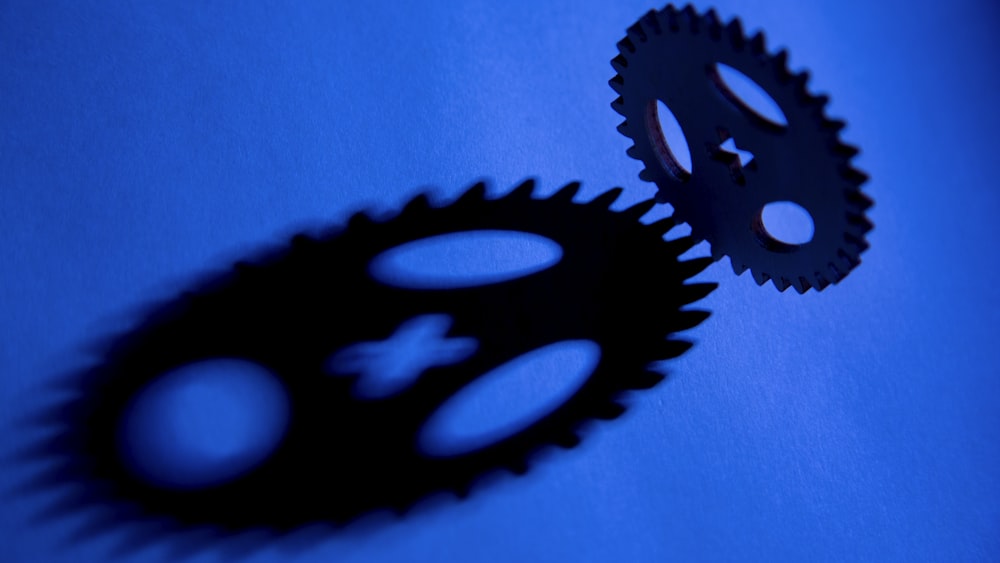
(148, 434)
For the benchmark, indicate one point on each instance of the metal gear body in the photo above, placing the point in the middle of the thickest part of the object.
(618, 284)
(672, 56)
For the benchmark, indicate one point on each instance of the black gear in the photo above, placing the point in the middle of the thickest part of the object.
(671, 56)
(618, 283)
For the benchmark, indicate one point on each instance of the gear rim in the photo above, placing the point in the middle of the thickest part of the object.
(100, 405)
(721, 200)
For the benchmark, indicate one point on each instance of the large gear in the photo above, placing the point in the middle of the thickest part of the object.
(671, 56)
(618, 284)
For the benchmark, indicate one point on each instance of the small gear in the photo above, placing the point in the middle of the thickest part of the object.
(671, 56)
(618, 284)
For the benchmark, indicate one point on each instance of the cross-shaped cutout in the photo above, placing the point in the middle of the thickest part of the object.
(386, 367)
(735, 158)
(729, 145)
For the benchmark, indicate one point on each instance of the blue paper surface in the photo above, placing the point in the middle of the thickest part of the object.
(144, 144)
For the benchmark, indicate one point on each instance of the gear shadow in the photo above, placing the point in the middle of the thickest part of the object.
(346, 463)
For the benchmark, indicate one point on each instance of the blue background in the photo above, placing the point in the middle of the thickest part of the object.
(144, 143)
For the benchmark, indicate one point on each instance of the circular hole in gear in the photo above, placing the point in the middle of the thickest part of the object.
(203, 423)
(509, 398)
(668, 140)
(784, 226)
(747, 94)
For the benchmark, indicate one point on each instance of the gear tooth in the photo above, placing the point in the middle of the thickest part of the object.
(690, 319)
(476, 192)
(617, 83)
(625, 47)
(735, 32)
(859, 200)
(860, 223)
(738, 267)
(819, 282)
(361, 220)
(673, 17)
(524, 190)
(689, 17)
(644, 380)
(759, 277)
(801, 81)
(820, 101)
(780, 61)
(662, 196)
(784, 76)
(717, 253)
(663, 226)
(758, 45)
(420, 202)
(801, 285)
(462, 490)
(623, 128)
(651, 22)
(300, 240)
(607, 198)
(518, 466)
(668, 349)
(693, 267)
(402, 508)
(853, 175)
(567, 192)
(834, 125)
(781, 283)
(848, 260)
(646, 176)
(620, 64)
(619, 106)
(638, 210)
(681, 245)
(609, 411)
(689, 293)
(713, 24)
(859, 243)
(568, 440)
(845, 150)
(633, 151)
(835, 273)
(636, 34)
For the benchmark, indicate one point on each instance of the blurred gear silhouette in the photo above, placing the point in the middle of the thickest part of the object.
(673, 57)
(618, 284)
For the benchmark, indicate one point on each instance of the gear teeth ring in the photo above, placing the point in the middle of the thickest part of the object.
(671, 56)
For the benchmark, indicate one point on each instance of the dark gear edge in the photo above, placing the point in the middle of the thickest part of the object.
(670, 56)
